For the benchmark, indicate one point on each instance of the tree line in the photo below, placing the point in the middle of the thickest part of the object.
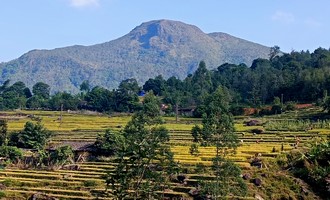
(292, 77)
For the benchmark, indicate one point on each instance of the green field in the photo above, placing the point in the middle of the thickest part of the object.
(87, 182)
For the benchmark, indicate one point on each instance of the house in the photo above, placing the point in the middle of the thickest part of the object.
(188, 112)
(82, 150)
(141, 93)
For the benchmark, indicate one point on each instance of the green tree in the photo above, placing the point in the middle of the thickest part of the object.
(126, 98)
(326, 104)
(196, 133)
(100, 99)
(274, 51)
(63, 100)
(109, 143)
(85, 86)
(35, 102)
(3, 132)
(41, 89)
(157, 85)
(145, 161)
(15, 96)
(34, 136)
(218, 129)
(312, 165)
(202, 83)
(61, 156)
(4, 85)
(13, 154)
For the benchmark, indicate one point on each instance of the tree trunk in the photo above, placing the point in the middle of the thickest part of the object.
(176, 112)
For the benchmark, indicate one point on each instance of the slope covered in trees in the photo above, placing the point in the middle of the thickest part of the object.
(294, 77)
(164, 47)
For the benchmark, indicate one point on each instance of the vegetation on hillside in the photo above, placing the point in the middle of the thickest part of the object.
(165, 47)
(280, 81)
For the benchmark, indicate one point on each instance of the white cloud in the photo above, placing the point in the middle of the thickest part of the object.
(84, 3)
(283, 17)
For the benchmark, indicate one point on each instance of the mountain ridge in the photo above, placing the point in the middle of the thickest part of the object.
(166, 47)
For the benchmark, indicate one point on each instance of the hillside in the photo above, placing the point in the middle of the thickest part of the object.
(165, 47)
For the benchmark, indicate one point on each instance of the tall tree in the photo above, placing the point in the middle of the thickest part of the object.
(218, 129)
(144, 161)
(41, 89)
(34, 136)
(274, 51)
(202, 83)
(157, 85)
(85, 86)
(3, 132)
(100, 99)
(126, 98)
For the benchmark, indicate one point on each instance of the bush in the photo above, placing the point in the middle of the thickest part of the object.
(2, 194)
(265, 111)
(62, 155)
(10, 182)
(90, 183)
(290, 106)
(109, 143)
(14, 139)
(13, 154)
(276, 109)
(237, 110)
(193, 150)
(32, 136)
(198, 112)
(314, 167)
(257, 131)
(200, 168)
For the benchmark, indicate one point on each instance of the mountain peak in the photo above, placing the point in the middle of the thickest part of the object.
(165, 25)
(164, 31)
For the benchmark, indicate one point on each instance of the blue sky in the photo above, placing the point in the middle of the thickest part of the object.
(47, 24)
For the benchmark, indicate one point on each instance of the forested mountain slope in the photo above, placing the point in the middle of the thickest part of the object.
(165, 47)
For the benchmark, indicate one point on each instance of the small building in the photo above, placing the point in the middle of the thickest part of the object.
(188, 112)
(141, 93)
(82, 150)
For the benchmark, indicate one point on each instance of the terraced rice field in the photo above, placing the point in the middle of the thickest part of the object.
(87, 182)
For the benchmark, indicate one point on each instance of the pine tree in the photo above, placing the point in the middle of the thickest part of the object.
(218, 130)
(144, 161)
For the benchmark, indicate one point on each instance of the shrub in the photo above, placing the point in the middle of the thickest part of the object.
(313, 167)
(200, 168)
(193, 150)
(2, 194)
(90, 183)
(10, 182)
(264, 111)
(290, 106)
(198, 112)
(237, 110)
(13, 154)
(32, 136)
(276, 109)
(257, 131)
(62, 155)
(109, 143)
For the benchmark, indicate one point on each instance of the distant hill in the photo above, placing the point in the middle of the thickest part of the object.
(165, 47)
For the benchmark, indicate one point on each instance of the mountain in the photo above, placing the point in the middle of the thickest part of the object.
(165, 47)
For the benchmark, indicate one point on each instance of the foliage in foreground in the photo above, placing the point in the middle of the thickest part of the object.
(218, 129)
(314, 167)
(144, 160)
(33, 136)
